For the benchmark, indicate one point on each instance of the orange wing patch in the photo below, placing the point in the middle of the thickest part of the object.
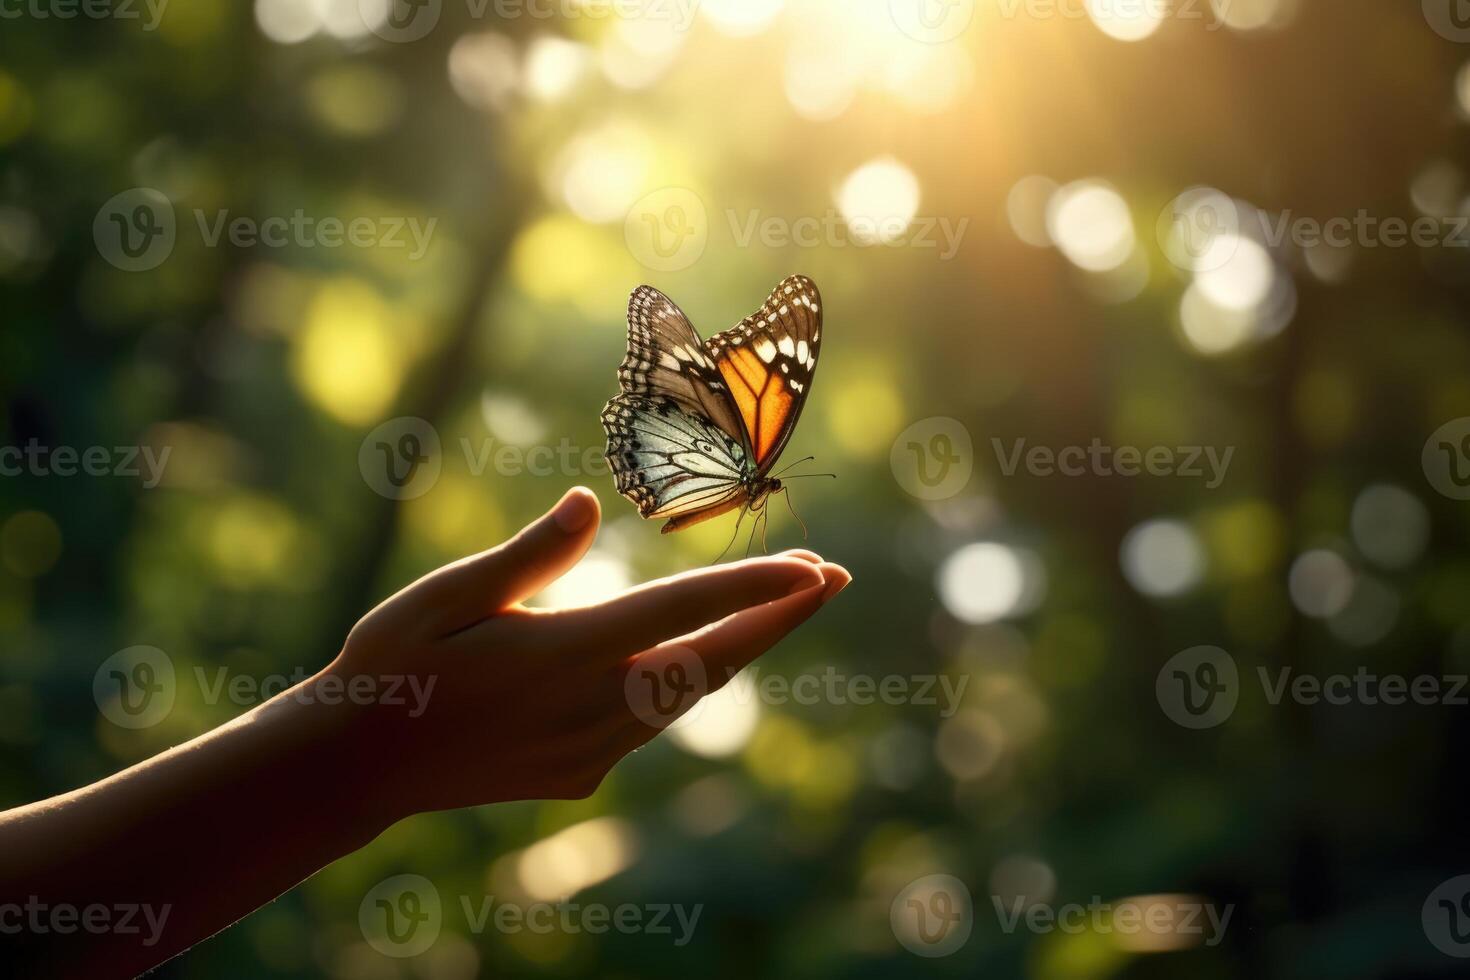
(763, 400)
(776, 404)
(735, 365)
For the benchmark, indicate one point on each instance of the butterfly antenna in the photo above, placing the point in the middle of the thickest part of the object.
(802, 476)
(792, 507)
(804, 459)
(738, 519)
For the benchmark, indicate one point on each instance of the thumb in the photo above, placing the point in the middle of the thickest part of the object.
(467, 591)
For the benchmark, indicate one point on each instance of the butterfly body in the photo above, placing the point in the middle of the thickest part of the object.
(697, 425)
(754, 496)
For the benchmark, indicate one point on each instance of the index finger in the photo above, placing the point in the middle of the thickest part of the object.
(645, 616)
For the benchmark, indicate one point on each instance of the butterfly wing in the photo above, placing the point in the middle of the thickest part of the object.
(666, 359)
(670, 462)
(767, 361)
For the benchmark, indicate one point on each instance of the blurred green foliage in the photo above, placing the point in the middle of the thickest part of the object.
(527, 140)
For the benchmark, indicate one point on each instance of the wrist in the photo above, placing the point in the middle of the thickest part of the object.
(342, 741)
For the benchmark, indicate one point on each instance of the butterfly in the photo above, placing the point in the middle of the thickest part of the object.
(697, 425)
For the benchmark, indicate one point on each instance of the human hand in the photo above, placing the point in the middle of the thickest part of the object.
(536, 704)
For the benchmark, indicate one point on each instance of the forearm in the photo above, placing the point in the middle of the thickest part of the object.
(189, 841)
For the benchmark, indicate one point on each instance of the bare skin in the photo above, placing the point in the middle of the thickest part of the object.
(526, 704)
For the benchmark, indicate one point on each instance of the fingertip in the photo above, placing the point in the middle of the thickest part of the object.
(803, 554)
(781, 571)
(804, 576)
(836, 578)
(577, 508)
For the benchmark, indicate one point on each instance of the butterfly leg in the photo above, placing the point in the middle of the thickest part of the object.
(738, 519)
(760, 513)
(791, 507)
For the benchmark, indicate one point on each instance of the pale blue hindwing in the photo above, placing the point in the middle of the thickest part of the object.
(667, 461)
